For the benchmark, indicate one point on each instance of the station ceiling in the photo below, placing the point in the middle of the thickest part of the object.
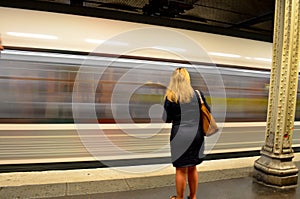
(252, 19)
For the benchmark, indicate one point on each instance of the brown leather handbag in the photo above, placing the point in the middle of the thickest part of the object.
(208, 122)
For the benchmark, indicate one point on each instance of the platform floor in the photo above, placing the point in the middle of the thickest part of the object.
(240, 188)
(218, 179)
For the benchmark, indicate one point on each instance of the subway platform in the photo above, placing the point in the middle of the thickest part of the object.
(218, 179)
(240, 188)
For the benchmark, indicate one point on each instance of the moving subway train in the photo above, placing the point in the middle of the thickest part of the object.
(58, 71)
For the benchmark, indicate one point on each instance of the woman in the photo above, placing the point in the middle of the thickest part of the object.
(186, 139)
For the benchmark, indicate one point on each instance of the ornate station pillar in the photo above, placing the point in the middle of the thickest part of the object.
(275, 166)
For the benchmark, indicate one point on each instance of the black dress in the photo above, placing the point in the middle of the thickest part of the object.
(186, 139)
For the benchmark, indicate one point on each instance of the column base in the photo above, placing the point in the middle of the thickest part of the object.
(276, 172)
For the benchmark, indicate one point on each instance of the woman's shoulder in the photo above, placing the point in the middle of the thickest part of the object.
(167, 100)
(199, 92)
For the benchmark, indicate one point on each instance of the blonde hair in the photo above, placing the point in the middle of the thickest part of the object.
(180, 87)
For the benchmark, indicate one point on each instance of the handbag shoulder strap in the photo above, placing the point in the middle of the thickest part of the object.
(199, 96)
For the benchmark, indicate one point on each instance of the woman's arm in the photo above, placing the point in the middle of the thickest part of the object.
(167, 114)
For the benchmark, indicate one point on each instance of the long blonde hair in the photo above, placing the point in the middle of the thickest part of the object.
(180, 87)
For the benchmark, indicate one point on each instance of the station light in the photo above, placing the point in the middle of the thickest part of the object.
(219, 54)
(32, 35)
(262, 59)
(106, 42)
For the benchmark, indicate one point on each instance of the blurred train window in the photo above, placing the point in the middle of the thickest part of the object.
(143, 99)
(39, 90)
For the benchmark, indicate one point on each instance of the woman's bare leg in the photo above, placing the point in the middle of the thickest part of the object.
(181, 174)
(193, 181)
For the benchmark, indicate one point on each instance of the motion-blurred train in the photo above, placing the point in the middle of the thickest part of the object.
(110, 78)
(54, 64)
